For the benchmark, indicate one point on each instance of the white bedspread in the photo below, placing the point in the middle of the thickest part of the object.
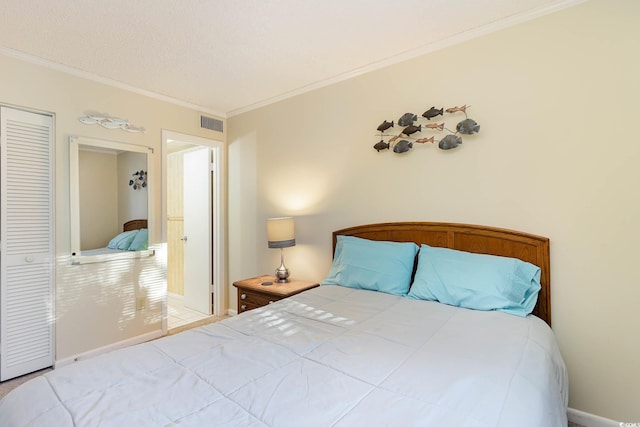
(331, 356)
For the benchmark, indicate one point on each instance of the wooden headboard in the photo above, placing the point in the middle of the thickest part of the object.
(470, 238)
(134, 224)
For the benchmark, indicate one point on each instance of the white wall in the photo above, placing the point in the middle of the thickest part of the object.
(557, 99)
(95, 303)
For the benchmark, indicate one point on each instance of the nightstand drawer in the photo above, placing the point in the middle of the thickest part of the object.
(252, 298)
(253, 294)
(246, 307)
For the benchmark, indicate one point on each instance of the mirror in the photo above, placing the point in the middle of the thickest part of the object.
(109, 200)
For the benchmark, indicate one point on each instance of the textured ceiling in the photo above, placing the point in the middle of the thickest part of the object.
(228, 56)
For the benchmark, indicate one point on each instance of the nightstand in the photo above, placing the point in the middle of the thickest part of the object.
(253, 294)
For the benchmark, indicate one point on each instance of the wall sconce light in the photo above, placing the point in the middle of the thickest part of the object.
(139, 180)
(281, 234)
(109, 122)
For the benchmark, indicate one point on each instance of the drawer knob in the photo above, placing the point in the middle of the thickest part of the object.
(243, 296)
(243, 307)
(271, 302)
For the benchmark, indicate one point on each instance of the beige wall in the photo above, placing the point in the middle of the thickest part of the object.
(98, 188)
(557, 99)
(95, 303)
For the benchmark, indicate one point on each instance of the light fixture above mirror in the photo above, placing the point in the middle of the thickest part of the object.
(109, 122)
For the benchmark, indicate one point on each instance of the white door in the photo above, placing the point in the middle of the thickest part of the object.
(26, 245)
(197, 230)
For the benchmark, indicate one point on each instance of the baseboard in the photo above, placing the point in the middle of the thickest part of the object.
(589, 420)
(175, 296)
(101, 350)
(232, 312)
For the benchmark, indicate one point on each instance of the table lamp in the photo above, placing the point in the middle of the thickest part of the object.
(281, 234)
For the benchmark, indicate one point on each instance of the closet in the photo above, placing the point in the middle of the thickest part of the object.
(26, 242)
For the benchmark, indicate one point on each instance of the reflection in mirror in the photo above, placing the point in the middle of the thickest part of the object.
(109, 217)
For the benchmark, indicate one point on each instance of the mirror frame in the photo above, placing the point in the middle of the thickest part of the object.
(74, 197)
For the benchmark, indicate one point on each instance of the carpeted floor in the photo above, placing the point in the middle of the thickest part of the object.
(195, 324)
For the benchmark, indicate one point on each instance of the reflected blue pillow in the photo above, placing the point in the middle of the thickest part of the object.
(140, 242)
(373, 265)
(123, 240)
(476, 281)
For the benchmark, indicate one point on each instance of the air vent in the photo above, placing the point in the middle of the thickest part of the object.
(211, 123)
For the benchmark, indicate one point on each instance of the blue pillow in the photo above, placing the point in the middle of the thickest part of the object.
(123, 240)
(373, 265)
(477, 281)
(140, 242)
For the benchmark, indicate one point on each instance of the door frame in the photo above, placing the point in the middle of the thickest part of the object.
(219, 264)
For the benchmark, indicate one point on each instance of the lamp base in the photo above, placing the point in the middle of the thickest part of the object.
(282, 274)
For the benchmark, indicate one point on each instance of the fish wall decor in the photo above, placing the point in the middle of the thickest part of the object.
(408, 135)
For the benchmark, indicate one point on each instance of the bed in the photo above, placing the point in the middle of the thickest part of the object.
(134, 237)
(335, 355)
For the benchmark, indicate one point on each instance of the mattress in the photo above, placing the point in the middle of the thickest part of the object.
(330, 356)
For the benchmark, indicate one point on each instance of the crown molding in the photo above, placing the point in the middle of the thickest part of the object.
(106, 81)
(423, 50)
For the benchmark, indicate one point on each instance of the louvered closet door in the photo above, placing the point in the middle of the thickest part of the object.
(26, 263)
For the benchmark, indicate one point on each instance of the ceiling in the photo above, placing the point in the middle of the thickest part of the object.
(229, 56)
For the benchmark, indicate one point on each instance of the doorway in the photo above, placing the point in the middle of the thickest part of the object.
(193, 226)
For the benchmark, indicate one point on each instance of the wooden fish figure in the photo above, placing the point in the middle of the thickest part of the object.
(432, 112)
(385, 125)
(435, 126)
(456, 109)
(412, 129)
(468, 127)
(407, 119)
(403, 146)
(381, 145)
(394, 138)
(423, 140)
(449, 142)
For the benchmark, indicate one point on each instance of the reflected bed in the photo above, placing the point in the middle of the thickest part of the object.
(134, 238)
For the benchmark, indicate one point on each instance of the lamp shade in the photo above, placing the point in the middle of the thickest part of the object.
(281, 232)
